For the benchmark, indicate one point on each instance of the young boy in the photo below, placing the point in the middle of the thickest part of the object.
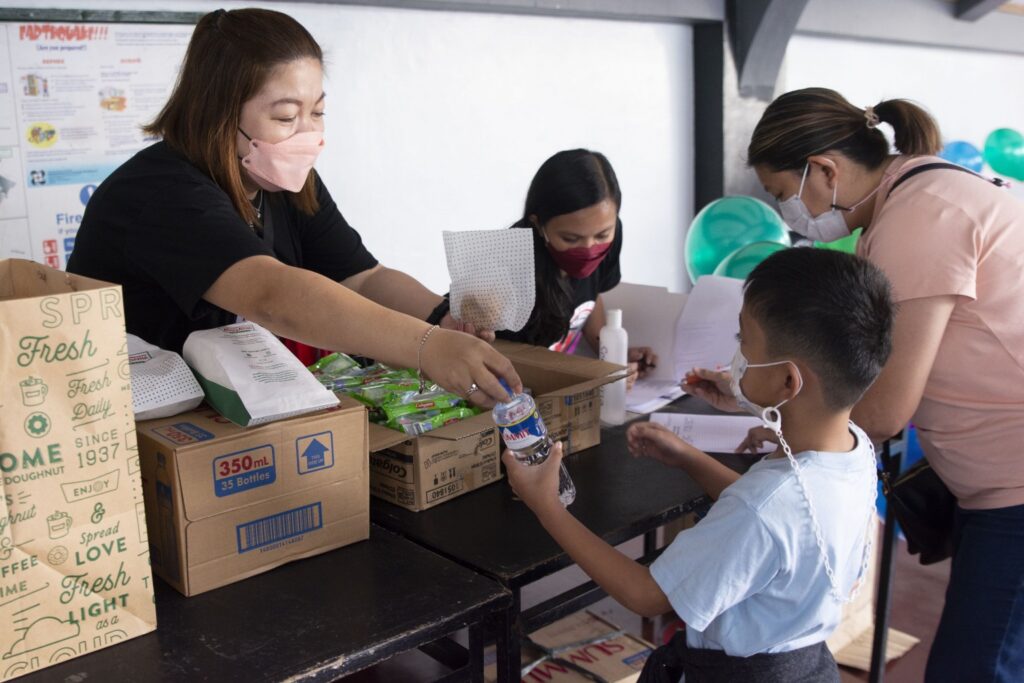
(761, 580)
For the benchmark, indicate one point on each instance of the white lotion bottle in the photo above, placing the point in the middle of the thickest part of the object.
(614, 343)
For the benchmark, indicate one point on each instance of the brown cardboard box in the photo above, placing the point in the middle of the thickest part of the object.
(224, 503)
(852, 641)
(584, 640)
(74, 562)
(421, 472)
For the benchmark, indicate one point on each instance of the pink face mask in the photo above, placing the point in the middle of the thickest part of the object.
(580, 262)
(284, 165)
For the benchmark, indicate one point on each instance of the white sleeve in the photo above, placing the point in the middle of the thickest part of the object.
(727, 557)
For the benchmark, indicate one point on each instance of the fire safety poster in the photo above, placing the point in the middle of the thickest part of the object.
(73, 98)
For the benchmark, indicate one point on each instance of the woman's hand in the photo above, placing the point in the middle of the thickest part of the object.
(756, 438)
(459, 361)
(713, 387)
(653, 440)
(536, 485)
(450, 323)
(639, 359)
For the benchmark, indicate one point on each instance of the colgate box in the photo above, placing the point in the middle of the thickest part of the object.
(224, 503)
(420, 472)
(580, 648)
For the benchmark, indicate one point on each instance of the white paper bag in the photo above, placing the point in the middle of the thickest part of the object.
(162, 384)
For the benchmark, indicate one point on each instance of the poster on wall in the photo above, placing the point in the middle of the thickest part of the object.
(73, 98)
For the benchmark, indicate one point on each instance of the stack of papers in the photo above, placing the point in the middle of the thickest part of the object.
(712, 433)
(706, 330)
(648, 395)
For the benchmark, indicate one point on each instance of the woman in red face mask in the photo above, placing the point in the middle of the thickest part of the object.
(572, 207)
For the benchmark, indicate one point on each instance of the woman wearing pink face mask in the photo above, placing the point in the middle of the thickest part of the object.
(572, 207)
(226, 218)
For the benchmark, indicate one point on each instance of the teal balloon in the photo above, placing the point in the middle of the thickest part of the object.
(739, 263)
(1004, 152)
(725, 225)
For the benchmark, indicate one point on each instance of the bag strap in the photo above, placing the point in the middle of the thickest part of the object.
(998, 182)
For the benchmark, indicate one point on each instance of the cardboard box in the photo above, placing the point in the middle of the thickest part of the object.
(853, 640)
(582, 640)
(74, 562)
(224, 503)
(421, 472)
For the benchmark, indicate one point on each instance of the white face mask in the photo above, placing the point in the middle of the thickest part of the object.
(770, 415)
(827, 227)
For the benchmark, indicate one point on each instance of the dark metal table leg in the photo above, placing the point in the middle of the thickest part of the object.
(891, 462)
(476, 653)
(508, 642)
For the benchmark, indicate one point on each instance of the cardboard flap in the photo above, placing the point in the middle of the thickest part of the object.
(381, 437)
(588, 385)
(464, 428)
(564, 362)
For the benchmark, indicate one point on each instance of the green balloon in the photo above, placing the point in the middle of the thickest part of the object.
(1004, 152)
(846, 244)
(739, 263)
(725, 225)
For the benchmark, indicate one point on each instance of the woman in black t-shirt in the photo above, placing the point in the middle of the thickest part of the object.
(572, 207)
(226, 218)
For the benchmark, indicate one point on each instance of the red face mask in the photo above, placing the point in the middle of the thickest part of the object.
(580, 262)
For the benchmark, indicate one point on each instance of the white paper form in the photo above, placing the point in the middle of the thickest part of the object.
(707, 329)
(648, 395)
(711, 433)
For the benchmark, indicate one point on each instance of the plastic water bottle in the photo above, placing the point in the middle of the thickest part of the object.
(614, 344)
(525, 435)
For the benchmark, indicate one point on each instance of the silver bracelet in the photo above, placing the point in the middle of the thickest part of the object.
(419, 358)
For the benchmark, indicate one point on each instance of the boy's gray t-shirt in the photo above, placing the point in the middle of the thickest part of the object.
(749, 578)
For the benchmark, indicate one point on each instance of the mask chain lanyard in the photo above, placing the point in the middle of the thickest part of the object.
(775, 424)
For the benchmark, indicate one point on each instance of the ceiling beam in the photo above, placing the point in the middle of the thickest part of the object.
(759, 31)
(972, 10)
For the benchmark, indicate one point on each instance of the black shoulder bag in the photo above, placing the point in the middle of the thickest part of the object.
(924, 507)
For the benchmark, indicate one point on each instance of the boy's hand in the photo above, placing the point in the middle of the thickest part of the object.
(756, 438)
(712, 386)
(536, 485)
(653, 440)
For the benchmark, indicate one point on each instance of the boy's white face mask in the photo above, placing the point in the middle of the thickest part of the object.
(770, 415)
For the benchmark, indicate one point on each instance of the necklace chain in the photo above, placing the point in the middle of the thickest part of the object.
(259, 207)
(869, 526)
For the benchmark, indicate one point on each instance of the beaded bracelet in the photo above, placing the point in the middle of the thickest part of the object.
(419, 358)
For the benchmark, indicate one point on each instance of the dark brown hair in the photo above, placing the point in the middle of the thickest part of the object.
(229, 59)
(802, 123)
(832, 310)
(568, 181)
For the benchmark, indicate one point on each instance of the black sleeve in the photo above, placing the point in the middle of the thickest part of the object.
(330, 246)
(609, 272)
(186, 236)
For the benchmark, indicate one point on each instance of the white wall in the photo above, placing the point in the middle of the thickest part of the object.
(438, 120)
(970, 93)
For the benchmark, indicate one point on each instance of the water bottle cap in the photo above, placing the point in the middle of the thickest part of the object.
(613, 317)
(505, 386)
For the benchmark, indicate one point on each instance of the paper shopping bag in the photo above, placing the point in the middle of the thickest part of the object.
(74, 556)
